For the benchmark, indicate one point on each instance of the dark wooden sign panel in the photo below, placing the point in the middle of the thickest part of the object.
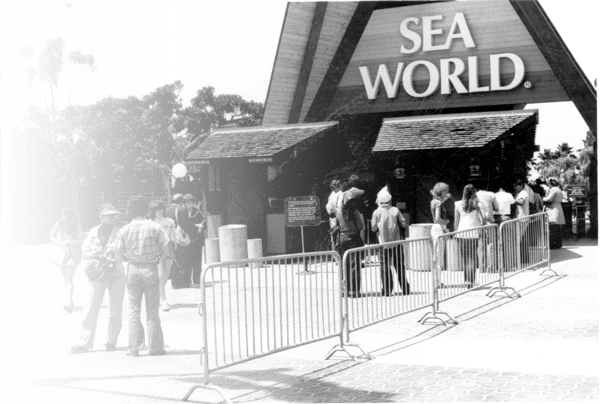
(452, 54)
(577, 191)
(302, 211)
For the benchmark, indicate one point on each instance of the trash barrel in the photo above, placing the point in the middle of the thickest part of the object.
(212, 250)
(233, 242)
(419, 254)
(255, 251)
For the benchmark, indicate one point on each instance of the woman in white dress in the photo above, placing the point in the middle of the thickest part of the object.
(556, 216)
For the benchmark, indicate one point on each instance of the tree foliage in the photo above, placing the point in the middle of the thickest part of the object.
(565, 164)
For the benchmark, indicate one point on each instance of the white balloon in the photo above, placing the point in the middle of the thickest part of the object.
(179, 170)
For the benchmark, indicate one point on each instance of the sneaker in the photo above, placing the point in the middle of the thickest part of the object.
(165, 307)
(111, 347)
(134, 354)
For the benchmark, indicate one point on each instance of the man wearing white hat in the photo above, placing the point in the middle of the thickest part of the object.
(386, 222)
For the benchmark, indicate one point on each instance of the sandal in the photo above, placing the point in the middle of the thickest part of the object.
(78, 349)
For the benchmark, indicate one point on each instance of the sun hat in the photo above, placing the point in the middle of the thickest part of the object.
(383, 196)
(108, 210)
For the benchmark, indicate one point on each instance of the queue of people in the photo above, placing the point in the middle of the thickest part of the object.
(136, 259)
(478, 206)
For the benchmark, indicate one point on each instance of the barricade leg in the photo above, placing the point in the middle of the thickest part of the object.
(502, 288)
(344, 329)
(547, 246)
(435, 314)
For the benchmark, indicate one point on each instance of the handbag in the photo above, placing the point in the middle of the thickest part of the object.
(181, 237)
(99, 268)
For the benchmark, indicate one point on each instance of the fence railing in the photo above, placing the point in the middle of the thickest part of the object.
(386, 280)
(255, 307)
(524, 243)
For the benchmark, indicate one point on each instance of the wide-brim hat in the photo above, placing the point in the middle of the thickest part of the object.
(188, 197)
(108, 210)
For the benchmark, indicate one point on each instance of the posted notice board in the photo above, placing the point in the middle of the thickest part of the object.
(302, 211)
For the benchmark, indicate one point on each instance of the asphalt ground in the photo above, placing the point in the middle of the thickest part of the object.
(540, 347)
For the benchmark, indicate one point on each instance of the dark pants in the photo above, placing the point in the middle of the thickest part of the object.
(468, 255)
(555, 235)
(392, 256)
(142, 282)
(189, 265)
(352, 274)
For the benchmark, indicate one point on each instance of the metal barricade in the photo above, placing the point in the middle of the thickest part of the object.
(463, 260)
(383, 281)
(524, 243)
(255, 307)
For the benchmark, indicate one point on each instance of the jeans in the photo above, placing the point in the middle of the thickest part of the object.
(352, 275)
(143, 281)
(116, 291)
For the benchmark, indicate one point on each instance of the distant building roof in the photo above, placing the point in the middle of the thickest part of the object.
(449, 131)
(258, 141)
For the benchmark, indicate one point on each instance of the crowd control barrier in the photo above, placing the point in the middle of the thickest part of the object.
(462, 260)
(383, 281)
(255, 307)
(524, 244)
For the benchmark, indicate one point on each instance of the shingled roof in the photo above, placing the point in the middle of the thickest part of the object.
(449, 131)
(258, 141)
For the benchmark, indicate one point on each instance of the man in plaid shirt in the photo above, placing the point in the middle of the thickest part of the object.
(140, 246)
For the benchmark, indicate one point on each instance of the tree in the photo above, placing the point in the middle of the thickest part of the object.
(47, 73)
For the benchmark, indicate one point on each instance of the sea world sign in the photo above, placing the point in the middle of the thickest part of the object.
(444, 55)
(424, 34)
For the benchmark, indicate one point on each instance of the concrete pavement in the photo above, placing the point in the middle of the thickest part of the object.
(541, 347)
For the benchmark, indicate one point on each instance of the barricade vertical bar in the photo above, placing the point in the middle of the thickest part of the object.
(204, 348)
(547, 241)
(435, 313)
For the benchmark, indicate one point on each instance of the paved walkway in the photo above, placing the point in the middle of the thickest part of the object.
(541, 347)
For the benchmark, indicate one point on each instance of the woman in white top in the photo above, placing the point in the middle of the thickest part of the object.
(157, 213)
(467, 216)
(556, 216)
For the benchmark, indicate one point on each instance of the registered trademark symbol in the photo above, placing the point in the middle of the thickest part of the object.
(528, 85)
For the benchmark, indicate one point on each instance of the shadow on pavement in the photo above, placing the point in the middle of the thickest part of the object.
(285, 384)
(440, 329)
(562, 254)
(270, 384)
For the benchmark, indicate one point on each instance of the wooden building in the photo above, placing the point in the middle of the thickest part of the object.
(406, 93)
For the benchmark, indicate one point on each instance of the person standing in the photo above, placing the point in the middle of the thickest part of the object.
(140, 245)
(387, 222)
(331, 207)
(171, 211)
(66, 237)
(556, 216)
(156, 213)
(442, 213)
(522, 201)
(189, 259)
(468, 216)
(351, 225)
(504, 200)
(98, 252)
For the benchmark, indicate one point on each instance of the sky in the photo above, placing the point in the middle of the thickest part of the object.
(230, 45)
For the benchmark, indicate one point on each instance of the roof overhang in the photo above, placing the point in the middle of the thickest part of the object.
(452, 131)
(260, 144)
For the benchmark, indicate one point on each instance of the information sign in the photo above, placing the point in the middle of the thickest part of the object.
(577, 191)
(302, 211)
